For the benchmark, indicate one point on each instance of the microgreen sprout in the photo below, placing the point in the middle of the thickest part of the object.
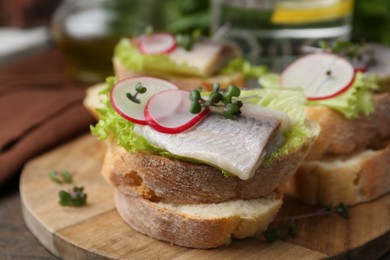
(218, 98)
(346, 48)
(73, 198)
(60, 177)
(186, 41)
(140, 89)
(350, 50)
(292, 229)
(273, 234)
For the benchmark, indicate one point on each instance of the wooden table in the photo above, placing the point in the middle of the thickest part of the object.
(16, 240)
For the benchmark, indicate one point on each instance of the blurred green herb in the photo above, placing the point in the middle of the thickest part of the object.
(360, 57)
(273, 234)
(130, 17)
(218, 98)
(348, 49)
(73, 198)
(292, 229)
(60, 177)
(186, 41)
(140, 89)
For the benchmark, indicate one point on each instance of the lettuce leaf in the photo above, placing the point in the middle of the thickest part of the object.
(160, 64)
(245, 67)
(357, 100)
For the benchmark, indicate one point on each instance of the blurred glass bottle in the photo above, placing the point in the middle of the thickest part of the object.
(371, 21)
(87, 31)
(274, 32)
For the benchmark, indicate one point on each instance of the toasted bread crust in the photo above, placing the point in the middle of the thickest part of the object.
(159, 178)
(351, 180)
(189, 230)
(186, 83)
(340, 136)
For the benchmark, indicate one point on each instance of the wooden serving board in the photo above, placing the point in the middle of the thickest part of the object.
(97, 231)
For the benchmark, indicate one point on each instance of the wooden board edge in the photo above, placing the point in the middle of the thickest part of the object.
(44, 236)
(375, 249)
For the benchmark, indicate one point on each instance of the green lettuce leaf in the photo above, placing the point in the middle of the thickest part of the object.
(245, 67)
(357, 100)
(160, 64)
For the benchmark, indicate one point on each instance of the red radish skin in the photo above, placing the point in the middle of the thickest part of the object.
(363, 69)
(158, 43)
(126, 108)
(311, 61)
(153, 121)
(333, 95)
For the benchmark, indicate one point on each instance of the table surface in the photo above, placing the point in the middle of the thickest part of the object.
(16, 240)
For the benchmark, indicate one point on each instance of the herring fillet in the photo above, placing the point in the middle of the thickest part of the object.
(205, 55)
(237, 146)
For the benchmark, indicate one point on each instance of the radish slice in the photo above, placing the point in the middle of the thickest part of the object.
(157, 43)
(130, 110)
(169, 112)
(321, 75)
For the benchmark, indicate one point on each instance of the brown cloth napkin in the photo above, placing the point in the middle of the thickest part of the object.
(40, 108)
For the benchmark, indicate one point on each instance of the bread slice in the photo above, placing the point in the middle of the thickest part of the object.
(349, 162)
(350, 179)
(92, 101)
(187, 83)
(341, 136)
(160, 178)
(199, 225)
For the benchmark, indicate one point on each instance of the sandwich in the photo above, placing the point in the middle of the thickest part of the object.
(198, 178)
(349, 162)
(188, 62)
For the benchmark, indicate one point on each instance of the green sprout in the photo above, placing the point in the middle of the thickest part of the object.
(273, 234)
(74, 198)
(352, 51)
(140, 89)
(218, 98)
(186, 41)
(60, 177)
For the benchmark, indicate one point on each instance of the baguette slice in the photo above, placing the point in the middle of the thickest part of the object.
(92, 101)
(342, 136)
(160, 178)
(352, 179)
(199, 225)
